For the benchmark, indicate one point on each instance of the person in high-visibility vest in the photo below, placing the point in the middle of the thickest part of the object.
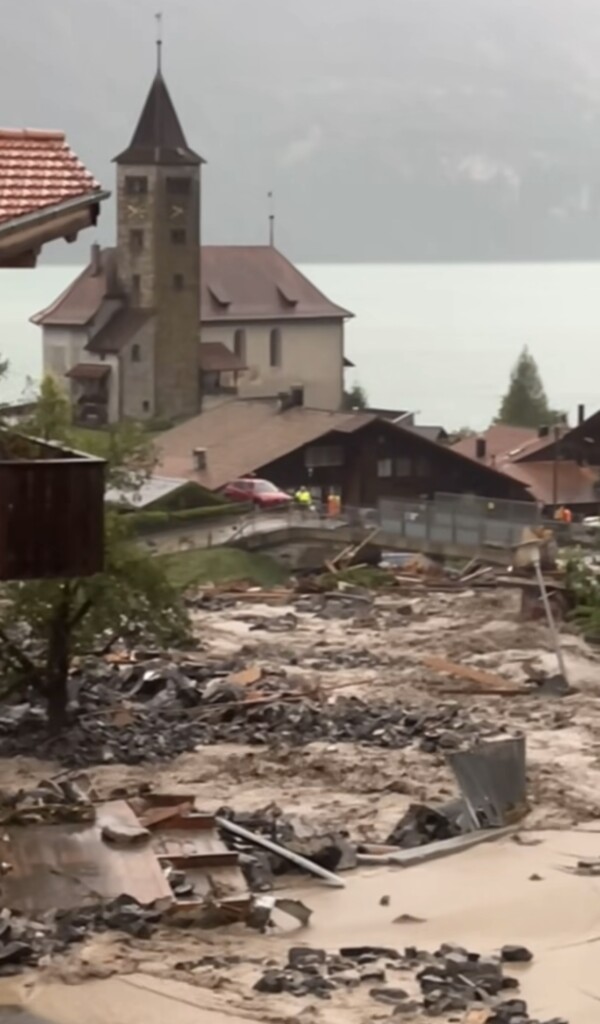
(303, 498)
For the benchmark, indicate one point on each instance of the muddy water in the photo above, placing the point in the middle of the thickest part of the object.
(481, 898)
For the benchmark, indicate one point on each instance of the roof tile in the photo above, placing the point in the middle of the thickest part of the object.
(38, 169)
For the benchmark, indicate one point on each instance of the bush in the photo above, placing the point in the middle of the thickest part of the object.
(152, 522)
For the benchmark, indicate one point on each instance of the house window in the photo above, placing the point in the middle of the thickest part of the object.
(178, 236)
(402, 466)
(178, 282)
(384, 467)
(239, 343)
(275, 347)
(136, 354)
(136, 185)
(324, 455)
(136, 240)
(178, 186)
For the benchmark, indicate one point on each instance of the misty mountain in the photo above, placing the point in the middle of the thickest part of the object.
(388, 130)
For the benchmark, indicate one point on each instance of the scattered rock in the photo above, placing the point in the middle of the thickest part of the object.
(516, 955)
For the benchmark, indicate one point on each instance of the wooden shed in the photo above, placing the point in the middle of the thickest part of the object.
(51, 510)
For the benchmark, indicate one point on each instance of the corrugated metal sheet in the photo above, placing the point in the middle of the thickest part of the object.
(152, 490)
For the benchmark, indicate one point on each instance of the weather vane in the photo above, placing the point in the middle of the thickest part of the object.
(158, 17)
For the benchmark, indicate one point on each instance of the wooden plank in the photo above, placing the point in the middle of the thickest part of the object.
(209, 859)
(66, 866)
(485, 681)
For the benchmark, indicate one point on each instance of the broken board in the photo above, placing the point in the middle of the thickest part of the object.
(69, 865)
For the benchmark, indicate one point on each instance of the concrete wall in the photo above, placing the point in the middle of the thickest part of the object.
(62, 348)
(312, 354)
(137, 378)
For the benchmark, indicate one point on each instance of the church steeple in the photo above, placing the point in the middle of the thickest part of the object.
(159, 138)
(158, 259)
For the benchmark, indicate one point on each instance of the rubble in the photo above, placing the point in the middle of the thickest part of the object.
(174, 707)
(451, 980)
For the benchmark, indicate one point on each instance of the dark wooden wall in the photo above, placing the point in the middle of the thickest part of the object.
(51, 518)
(432, 469)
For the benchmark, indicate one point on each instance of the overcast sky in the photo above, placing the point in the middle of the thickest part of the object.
(388, 129)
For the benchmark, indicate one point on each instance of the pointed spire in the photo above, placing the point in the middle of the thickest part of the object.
(159, 137)
(158, 42)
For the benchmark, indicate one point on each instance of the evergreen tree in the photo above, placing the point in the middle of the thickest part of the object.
(355, 398)
(525, 403)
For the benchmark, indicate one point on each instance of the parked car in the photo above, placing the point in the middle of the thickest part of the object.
(262, 493)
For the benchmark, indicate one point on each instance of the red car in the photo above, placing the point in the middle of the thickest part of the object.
(260, 492)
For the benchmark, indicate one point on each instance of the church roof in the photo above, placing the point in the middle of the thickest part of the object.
(239, 283)
(159, 137)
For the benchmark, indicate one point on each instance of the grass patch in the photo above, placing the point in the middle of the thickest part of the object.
(222, 565)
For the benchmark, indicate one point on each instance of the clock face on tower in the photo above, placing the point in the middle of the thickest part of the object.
(135, 211)
(175, 212)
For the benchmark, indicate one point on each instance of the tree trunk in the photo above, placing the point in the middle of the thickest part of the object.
(57, 669)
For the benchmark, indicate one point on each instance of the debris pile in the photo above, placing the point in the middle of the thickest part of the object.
(156, 709)
(451, 980)
(25, 941)
(333, 851)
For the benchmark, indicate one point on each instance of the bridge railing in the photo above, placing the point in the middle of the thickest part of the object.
(447, 520)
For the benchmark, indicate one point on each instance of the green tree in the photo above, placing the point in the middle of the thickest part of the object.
(525, 403)
(45, 624)
(355, 398)
(126, 446)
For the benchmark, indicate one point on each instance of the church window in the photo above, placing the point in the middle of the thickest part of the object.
(178, 186)
(239, 343)
(275, 347)
(135, 185)
(135, 286)
(178, 282)
(136, 240)
(135, 354)
(178, 236)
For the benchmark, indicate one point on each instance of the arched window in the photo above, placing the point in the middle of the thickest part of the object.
(275, 347)
(239, 343)
(136, 354)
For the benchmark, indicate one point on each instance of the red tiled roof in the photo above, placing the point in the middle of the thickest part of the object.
(215, 357)
(575, 485)
(238, 283)
(500, 441)
(38, 170)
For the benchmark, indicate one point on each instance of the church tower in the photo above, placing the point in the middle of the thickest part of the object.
(158, 249)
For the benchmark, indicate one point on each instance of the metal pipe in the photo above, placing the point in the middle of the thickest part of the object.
(548, 609)
(268, 844)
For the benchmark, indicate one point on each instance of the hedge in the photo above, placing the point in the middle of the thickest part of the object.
(150, 522)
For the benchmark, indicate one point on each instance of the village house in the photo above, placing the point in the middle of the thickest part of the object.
(160, 327)
(45, 194)
(361, 456)
(557, 465)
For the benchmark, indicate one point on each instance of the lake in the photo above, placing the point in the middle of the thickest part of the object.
(439, 340)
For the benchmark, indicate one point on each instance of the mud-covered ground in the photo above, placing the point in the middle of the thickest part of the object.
(364, 789)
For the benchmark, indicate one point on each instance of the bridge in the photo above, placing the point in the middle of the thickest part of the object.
(449, 527)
